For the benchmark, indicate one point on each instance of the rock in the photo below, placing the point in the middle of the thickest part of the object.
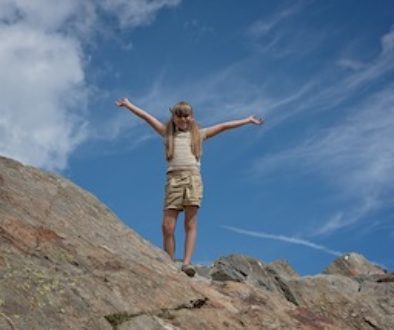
(361, 299)
(146, 322)
(202, 270)
(271, 277)
(353, 264)
(67, 262)
(339, 297)
(231, 268)
(282, 269)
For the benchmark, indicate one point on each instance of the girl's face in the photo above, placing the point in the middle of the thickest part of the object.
(182, 121)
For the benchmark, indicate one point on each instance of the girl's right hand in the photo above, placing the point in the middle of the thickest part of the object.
(123, 102)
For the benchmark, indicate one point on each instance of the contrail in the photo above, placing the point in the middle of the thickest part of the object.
(287, 239)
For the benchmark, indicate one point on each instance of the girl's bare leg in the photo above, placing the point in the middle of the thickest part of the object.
(168, 228)
(190, 232)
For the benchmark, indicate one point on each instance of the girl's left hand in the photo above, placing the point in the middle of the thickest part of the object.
(255, 120)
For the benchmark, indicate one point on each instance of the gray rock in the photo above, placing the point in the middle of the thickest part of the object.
(340, 298)
(353, 264)
(146, 322)
(232, 268)
(282, 269)
(271, 277)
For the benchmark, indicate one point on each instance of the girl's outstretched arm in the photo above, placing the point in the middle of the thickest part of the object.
(157, 125)
(216, 129)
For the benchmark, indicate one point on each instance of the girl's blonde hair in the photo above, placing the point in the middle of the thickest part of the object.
(181, 109)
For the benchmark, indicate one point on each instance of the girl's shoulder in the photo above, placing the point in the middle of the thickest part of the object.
(203, 133)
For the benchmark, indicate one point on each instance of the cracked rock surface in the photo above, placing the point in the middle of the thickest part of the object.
(67, 262)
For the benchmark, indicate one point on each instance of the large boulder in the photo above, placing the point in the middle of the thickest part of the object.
(66, 261)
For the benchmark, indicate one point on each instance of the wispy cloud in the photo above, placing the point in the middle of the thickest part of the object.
(137, 12)
(282, 238)
(353, 146)
(198, 30)
(364, 206)
(323, 90)
(226, 94)
(331, 84)
(350, 64)
(341, 86)
(358, 147)
(270, 35)
(262, 27)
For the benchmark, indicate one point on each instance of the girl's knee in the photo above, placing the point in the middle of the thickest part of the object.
(169, 221)
(191, 212)
(190, 223)
(168, 227)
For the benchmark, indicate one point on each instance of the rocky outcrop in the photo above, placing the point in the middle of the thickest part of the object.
(352, 293)
(67, 262)
(353, 265)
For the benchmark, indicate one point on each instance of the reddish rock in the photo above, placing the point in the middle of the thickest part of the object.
(67, 262)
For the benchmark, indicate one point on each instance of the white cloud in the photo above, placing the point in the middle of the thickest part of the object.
(282, 238)
(42, 14)
(44, 96)
(73, 16)
(42, 84)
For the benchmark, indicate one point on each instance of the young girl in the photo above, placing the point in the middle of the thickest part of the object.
(183, 191)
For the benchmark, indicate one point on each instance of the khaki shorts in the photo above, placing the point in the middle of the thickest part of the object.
(183, 188)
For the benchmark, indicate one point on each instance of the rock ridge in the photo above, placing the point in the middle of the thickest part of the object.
(67, 262)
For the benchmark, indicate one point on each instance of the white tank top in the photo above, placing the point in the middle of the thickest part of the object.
(183, 158)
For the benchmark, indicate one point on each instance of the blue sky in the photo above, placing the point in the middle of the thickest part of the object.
(315, 181)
